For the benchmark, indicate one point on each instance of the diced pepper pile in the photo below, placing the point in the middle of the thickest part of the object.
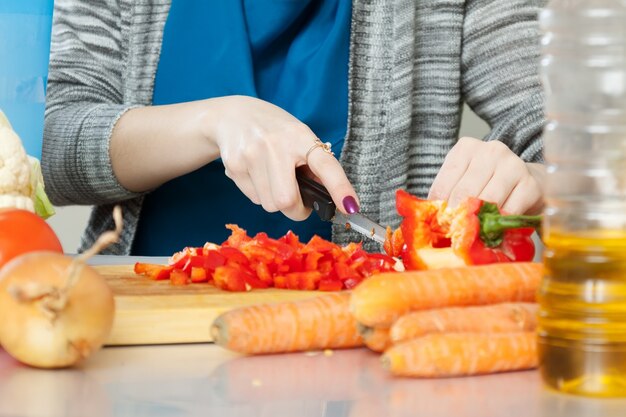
(243, 263)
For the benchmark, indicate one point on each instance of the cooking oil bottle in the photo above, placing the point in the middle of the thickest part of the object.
(582, 322)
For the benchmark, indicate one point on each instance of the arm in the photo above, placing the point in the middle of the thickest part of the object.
(500, 59)
(99, 149)
(500, 74)
(84, 100)
(260, 144)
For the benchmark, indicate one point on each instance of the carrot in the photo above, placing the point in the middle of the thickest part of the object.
(375, 338)
(380, 300)
(318, 323)
(456, 354)
(496, 318)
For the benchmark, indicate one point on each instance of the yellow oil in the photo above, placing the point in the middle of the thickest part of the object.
(582, 321)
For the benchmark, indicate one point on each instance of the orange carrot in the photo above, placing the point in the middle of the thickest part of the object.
(375, 338)
(318, 323)
(456, 354)
(496, 318)
(380, 300)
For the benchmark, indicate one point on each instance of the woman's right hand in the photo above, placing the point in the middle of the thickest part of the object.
(261, 146)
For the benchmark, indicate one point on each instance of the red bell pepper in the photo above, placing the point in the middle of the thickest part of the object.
(476, 232)
(486, 236)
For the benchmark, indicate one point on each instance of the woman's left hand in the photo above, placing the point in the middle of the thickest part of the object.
(491, 172)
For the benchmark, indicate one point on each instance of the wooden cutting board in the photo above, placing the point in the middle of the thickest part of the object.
(156, 312)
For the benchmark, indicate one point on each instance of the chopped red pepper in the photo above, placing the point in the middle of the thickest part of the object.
(243, 263)
(237, 237)
(198, 274)
(229, 278)
(330, 285)
(233, 255)
(263, 272)
(179, 277)
(311, 261)
(153, 271)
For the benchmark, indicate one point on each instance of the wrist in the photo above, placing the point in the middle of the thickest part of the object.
(205, 123)
(213, 113)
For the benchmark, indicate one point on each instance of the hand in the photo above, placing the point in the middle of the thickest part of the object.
(491, 172)
(261, 146)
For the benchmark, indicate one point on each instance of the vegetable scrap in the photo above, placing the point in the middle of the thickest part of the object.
(433, 235)
(243, 263)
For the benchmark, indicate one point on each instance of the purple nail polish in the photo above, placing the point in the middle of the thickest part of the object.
(349, 203)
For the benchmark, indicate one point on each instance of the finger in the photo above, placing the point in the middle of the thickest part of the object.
(258, 176)
(500, 186)
(305, 170)
(285, 190)
(247, 187)
(243, 182)
(452, 170)
(476, 177)
(497, 190)
(525, 197)
(328, 169)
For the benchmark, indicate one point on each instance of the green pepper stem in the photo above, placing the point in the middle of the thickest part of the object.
(496, 223)
(493, 224)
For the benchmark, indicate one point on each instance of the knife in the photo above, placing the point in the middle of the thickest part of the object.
(314, 195)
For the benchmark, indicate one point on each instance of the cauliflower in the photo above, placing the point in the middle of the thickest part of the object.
(21, 183)
(4, 122)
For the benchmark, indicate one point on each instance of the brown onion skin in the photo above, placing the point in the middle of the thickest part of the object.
(80, 329)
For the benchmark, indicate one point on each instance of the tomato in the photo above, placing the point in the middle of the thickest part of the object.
(22, 231)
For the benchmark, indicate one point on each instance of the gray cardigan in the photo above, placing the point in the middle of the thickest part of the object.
(412, 65)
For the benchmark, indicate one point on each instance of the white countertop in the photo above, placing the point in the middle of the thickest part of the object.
(205, 380)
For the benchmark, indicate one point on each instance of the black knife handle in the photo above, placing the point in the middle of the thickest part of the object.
(315, 196)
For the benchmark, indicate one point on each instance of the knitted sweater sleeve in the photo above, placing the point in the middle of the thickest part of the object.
(500, 70)
(84, 100)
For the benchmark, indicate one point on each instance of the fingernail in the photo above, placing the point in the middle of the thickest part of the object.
(349, 203)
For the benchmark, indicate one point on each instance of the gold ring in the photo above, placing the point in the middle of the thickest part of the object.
(319, 144)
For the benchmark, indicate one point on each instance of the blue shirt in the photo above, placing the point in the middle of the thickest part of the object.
(293, 54)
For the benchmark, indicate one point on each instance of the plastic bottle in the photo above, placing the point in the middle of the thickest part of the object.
(582, 323)
(25, 27)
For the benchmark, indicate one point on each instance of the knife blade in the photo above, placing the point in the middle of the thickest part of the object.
(314, 195)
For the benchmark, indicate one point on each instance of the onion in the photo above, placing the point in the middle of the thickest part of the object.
(55, 310)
